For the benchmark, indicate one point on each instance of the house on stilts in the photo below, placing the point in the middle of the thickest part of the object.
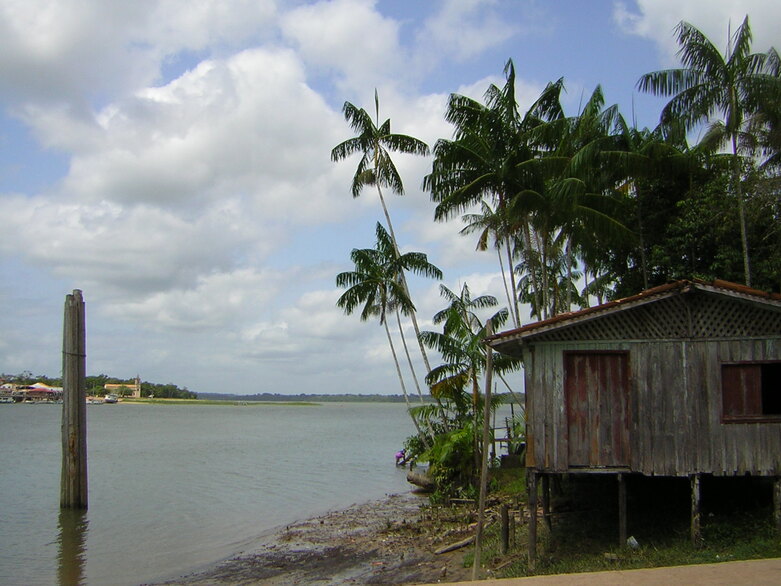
(680, 380)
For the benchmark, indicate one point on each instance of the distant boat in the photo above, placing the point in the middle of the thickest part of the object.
(111, 398)
(7, 400)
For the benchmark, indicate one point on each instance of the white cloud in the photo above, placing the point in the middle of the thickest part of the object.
(216, 301)
(656, 20)
(77, 50)
(247, 126)
(349, 38)
(464, 29)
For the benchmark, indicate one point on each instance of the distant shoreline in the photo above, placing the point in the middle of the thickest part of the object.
(212, 402)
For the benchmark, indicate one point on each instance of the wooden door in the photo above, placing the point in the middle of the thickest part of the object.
(596, 388)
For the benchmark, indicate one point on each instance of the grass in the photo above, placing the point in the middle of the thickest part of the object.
(736, 525)
(215, 402)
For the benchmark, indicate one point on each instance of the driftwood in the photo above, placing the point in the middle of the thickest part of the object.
(464, 542)
(457, 545)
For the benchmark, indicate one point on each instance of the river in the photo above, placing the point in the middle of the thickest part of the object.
(173, 488)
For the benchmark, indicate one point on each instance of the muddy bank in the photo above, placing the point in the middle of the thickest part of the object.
(382, 542)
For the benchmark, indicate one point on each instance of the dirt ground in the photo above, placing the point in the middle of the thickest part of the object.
(374, 543)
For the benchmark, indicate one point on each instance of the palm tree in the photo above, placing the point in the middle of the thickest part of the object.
(575, 205)
(483, 161)
(374, 142)
(732, 86)
(421, 266)
(375, 286)
(462, 347)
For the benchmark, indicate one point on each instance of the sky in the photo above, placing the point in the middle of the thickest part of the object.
(171, 159)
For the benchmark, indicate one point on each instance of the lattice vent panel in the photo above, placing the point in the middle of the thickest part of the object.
(681, 316)
(722, 318)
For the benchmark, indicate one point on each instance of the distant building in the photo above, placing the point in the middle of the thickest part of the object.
(122, 388)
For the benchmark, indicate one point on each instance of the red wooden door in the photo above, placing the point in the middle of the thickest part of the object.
(596, 388)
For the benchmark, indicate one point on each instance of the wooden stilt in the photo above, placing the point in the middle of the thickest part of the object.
(696, 532)
(777, 503)
(532, 479)
(546, 500)
(622, 522)
(73, 480)
(504, 544)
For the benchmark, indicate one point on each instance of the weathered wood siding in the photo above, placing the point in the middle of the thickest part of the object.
(675, 408)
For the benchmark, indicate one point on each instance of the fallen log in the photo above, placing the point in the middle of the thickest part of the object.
(420, 479)
(455, 546)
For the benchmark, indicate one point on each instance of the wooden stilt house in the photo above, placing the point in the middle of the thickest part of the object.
(680, 380)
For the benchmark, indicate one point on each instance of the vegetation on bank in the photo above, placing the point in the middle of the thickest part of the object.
(308, 397)
(737, 525)
(162, 401)
(95, 385)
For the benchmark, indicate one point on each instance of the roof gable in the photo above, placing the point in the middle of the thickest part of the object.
(684, 309)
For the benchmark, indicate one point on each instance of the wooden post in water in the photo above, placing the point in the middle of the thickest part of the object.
(73, 481)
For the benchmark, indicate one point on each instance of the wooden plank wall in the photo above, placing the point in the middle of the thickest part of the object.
(675, 426)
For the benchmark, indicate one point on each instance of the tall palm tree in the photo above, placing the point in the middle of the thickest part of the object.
(483, 161)
(420, 265)
(723, 90)
(576, 205)
(375, 286)
(374, 142)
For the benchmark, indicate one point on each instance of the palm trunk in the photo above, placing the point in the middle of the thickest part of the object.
(401, 381)
(543, 247)
(506, 288)
(514, 304)
(738, 191)
(586, 285)
(414, 375)
(409, 358)
(531, 261)
(403, 278)
(569, 273)
(643, 260)
(475, 419)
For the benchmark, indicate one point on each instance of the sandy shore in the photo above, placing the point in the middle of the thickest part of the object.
(372, 543)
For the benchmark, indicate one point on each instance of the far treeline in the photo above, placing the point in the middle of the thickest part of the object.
(343, 398)
(314, 398)
(95, 385)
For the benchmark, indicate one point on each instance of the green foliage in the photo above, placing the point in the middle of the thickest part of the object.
(451, 462)
(166, 391)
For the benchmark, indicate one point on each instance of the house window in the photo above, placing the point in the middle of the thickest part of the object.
(751, 391)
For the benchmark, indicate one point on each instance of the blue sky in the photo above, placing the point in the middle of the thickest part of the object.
(171, 159)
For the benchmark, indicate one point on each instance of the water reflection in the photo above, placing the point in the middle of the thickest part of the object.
(72, 556)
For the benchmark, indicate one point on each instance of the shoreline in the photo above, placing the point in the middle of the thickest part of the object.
(370, 543)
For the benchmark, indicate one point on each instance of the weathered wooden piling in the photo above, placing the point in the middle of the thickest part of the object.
(73, 480)
(484, 462)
